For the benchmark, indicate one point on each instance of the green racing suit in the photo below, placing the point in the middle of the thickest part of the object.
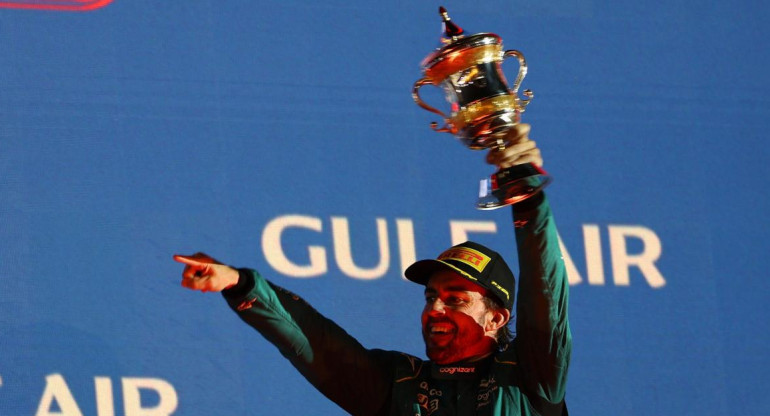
(526, 377)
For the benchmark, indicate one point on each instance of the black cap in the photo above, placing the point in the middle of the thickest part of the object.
(474, 262)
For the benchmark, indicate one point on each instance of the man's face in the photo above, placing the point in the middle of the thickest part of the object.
(455, 321)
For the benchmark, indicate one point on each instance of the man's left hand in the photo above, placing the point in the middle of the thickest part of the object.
(519, 149)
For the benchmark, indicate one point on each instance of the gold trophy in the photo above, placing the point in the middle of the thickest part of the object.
(483, 108)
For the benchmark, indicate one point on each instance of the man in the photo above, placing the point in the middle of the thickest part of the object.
(475, 367)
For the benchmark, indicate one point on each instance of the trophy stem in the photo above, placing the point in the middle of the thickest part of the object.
(511, 185)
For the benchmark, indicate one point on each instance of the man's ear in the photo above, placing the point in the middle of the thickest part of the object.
(500, 317)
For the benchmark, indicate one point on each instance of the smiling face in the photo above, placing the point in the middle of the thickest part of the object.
(456, 323)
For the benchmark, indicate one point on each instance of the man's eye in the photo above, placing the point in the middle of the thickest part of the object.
(430, 299)
(453, 300)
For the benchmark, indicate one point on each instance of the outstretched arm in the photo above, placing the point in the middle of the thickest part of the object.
(334, 362)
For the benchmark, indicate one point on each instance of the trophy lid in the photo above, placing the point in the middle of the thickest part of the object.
(454, 43)
(452, 32)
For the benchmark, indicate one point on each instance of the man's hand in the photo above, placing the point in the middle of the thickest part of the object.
(203, 273)
(518, 149)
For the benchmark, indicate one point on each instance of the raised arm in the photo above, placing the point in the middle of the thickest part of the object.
(543, 341)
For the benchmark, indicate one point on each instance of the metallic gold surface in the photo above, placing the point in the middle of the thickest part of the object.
(448, 127)
(461, 59)
(483, 108)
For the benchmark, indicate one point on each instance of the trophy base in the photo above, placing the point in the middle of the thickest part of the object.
(511, 185)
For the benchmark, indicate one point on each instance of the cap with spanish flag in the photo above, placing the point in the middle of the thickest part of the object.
(474, 262)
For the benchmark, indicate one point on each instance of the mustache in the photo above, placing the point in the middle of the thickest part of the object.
(439, 321)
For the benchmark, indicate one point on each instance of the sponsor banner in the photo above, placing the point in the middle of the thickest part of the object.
(282, 136)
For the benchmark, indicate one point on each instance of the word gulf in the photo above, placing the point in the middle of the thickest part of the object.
(315, 262)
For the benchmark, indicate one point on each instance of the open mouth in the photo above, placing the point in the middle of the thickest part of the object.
(440, 329)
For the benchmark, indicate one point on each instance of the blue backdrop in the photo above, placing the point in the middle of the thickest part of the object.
(282, 136)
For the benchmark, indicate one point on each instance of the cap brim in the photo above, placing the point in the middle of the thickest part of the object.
(422, 270)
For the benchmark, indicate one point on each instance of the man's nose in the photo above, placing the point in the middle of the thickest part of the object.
(436, 307)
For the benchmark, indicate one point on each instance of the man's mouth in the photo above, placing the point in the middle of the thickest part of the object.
(440, 329)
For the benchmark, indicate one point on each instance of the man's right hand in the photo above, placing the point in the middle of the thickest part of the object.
(203, 273)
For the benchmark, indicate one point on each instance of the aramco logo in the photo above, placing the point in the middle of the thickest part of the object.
(61, 5)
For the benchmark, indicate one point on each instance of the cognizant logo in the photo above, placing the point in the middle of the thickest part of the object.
(452, 370)
(60, 5)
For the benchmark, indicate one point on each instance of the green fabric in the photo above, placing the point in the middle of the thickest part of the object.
(528, 377)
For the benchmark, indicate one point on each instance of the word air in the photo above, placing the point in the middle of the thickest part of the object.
(57, 398)
(313, 260)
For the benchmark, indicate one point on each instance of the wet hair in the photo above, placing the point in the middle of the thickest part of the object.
(504, 334)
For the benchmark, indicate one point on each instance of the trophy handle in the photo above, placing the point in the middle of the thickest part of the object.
(447, 127)
(520, 77)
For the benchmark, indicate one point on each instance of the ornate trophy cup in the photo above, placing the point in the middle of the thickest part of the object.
(483, 108)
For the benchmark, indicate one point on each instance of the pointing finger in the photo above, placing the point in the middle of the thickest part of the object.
(189, 260)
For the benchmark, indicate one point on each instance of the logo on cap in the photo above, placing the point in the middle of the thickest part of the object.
(469, 256)
(502, 289)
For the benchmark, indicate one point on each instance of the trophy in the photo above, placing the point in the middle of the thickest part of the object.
(483, 108)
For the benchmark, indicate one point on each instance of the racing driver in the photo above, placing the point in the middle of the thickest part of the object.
(475, 366)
